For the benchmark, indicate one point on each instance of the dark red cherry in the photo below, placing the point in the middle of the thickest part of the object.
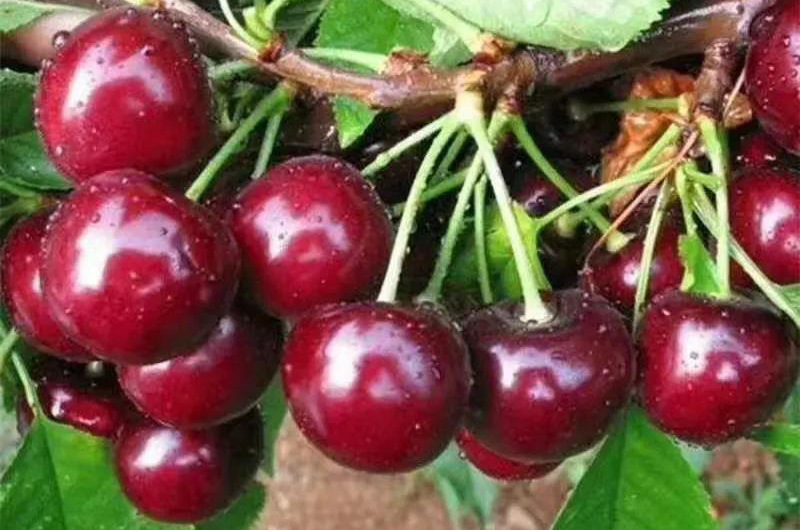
(219, 381)
(614, 275)
(544, 392)
(375, 386)
(312, 231)
(765, 220)
(127, 90)
(68, 394)
(758, 150)
(134, 271)
(495, 466)
(712, 369)
(188, 476)
(22, 292)
(773, 72)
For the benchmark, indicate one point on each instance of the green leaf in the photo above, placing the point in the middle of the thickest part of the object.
(296, 18)
(448, 50)
(700, 271)
(16, 102)
(353, 118)
(780, 437)
(273, 413)
(790, 466)
(792, 294)
(241, 516)
(15, 14)
(464, 489)
(638, 481)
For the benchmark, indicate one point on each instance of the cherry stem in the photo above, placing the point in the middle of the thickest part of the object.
(224, 71)
(442, 187)
(684, 193)
(529, 145)
(469, 34)
(649, 250)
(6, 345)
(455, 225)
(450, 156)
(279, 98)
(479, 228)
(21, 206)
(711, 182)
(469, 106)
(15, 189)
(715, 139)
(240, 30)
(708, 215)
(414, 139)
(391, 281)
(371, 61)
(667, 139)
(268, 143)
(580, 110)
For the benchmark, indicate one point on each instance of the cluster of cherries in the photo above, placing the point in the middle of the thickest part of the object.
(128, 271)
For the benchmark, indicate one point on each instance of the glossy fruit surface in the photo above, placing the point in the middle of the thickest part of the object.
(615, 275)
(495, 466)
(128, 89)
(773, 72)
(22, 292)
(135, 272)
(713, 370)
(758, 150)
(188, 476)
(219, 381)
(312, 231)
(376, 387)
(542, 393)
(68, 395)
(765, 220)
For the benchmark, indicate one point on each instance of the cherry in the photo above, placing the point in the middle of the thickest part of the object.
(544, 392)
(714, 369)
(134, 271)
(92, 404)
(188, 476)
(22, 292)
(375, 386)
(773, 72)
(128, 89)
(765, 220)
(758, 150)
(312, 232)
(614, 275)
(219, 381)
(495, 466)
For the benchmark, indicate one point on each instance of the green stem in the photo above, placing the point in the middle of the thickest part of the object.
(581, 111)
(479, 226)
(450, 155)
(21, 206)
(443, 187)
(711, 182)
(255, 26)
(670, 136)
(278, 98)
(470, 110)
(648, 251)
(716, 147)
(391, 280)
(469, 34)
(268, 143)
(27, 385)
(685, 195)
(227, 70)
(6, 345)
(456, 224)
(240, 30)
(529, 145)
(12, 188)
(394, 152)
(372, 61)
(269, 14)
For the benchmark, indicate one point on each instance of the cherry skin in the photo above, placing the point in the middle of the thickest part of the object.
(758, 150)
(495, 466)
(542, 393)
(134, 271)
(713, 370)
(20, 270)
(219, 381)
(376, 387)
(765, 220)
(126, 90)
(312, 231)
(92, 404)
(188, 476)
(773, 72)
(614, 275)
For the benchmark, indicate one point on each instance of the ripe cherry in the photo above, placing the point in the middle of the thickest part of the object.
(765, 220)
(615, 275)
(126, 90)
(219, 381)
(495, 466)
(773, 72)
(375, 386)
(758, 150)
(544, 392)
(22, 292)
(312, 231)
(188, 476)
(714, 369)
(134, 271)
(90, 403)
